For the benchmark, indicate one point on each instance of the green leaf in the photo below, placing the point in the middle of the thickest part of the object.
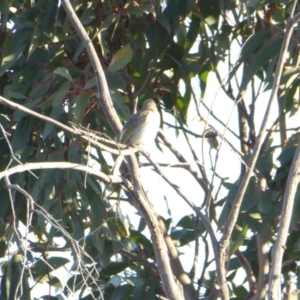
(296, 212)
(4, 8)
(12, 52)
(3, 246)
(90, 83)
(142, 240)
(270, 50)
(239, 239)
(55, 114)
(119, 105)
(267, 200)
(42, 268)
(36, 40)
(114, 268)
(108, 21)
(224, 213)
(21, 135)
(12, 278)
(252, 44)
(62, 71)
(57, 262)
(49, 15)
(187, 222)
(79, 104)
(182, 237)
(121, 58)
(163, 21)
(210, 11)
(240, 291)
(122, 292)
(115, 80)
(290, 94)
(87, 16)
(193, 32)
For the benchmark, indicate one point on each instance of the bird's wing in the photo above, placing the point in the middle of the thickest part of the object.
(131, 125)
(129, 128)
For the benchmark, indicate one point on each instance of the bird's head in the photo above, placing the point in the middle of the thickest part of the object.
(149, 105)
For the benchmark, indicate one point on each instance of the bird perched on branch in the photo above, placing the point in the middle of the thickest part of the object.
(140, 129)
(211, 137)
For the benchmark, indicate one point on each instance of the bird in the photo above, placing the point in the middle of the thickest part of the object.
(211, 137)
(140, 130)
(142, 127)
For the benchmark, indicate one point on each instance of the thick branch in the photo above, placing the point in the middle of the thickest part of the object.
(87, 136)
(220, 271)
(141, 201)
(104, 95)
(262, 241)
(145, 207)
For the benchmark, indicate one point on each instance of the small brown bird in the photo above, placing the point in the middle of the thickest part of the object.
(140, 129)
(211, 137)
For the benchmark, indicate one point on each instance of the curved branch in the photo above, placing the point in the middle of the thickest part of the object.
(206, 221)
(61, 165)
(85, 135)
(249, 273)
(140, 199)
(141, 202)
(104, 95)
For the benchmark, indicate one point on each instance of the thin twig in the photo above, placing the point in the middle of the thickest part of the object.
(181, 158)
(85, 135)
(220, 274)
(61, 165)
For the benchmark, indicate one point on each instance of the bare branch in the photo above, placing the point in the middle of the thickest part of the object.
(61, 165)
(141, 202)
(220, 273)
(104, 95)
(262, 242)
(85, 135)
(78, 250)
(249, 273)
(183, 160)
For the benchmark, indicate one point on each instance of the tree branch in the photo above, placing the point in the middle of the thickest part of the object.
(231, 221)
(141, 202)
(286, 214)
(220, 272)
(62, 165)
(85, 135)
(103, 91)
